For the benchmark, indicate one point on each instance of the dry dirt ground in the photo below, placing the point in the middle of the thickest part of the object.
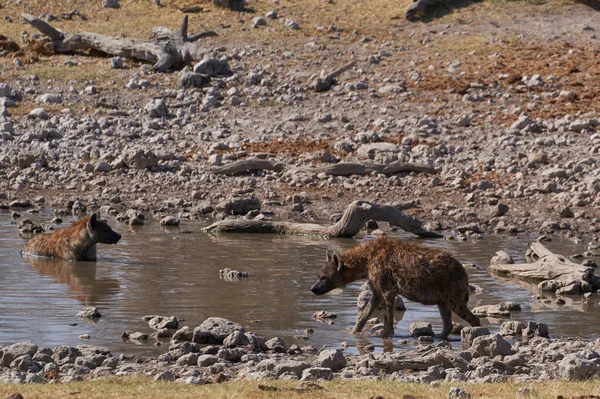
(473, 59)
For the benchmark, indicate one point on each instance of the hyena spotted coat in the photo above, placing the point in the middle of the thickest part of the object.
(77, 243)
(394, 267)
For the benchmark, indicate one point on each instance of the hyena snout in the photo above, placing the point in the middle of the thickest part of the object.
(114, 238)
(111, 237)
(323, 286)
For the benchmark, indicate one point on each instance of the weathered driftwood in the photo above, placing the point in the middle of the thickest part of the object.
(172, 52)
(349, 168)
(558, 274)
(247, 165)
(325, 81)
(351, 222)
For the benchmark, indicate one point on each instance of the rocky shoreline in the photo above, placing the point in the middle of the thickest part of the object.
(220, 350)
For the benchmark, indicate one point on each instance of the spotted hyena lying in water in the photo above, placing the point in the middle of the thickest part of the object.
(77, 242)
(395, 267)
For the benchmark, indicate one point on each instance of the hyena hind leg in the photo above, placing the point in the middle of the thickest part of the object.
(464, 313)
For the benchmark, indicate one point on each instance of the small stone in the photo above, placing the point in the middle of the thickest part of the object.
(332, 358)
(170, 221)
(110, 4)
(420, 328)
(164, 376)
(89, 313)
(116, 63)
(258, 21)
(458, 393)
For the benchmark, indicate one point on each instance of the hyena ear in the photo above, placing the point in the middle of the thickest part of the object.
(93, 220)
(327, 256)
(337, 261)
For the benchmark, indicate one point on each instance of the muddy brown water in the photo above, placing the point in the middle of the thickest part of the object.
(175, 271)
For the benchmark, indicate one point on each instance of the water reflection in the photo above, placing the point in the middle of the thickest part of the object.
(79, 277)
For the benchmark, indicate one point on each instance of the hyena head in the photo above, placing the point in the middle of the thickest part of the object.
(332, 275)
(101, 232)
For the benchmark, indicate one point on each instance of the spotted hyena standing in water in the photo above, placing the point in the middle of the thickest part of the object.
(395, 267)
(77, 242)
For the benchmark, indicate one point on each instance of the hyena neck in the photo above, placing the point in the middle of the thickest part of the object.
(356, 265)
(84, 247)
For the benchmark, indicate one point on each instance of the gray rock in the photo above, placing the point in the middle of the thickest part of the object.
(575, 367)
(34, 379)
(103, 167)
(161, 322)
(89, 313)
(110, 4)
(214, 330)
(258, 21)
(238, 205)
(500, 210)
(65, 354)
(192, 79)
(10, 353)
(332, 358)
(50, 98)
(420, 328)
(468, 334)
(4, 90)
(185, 333)
(116, 63)
(170, 221)
(164, 376)
(157, 108)
(207, 360)
(511, 328)
(39, 113)
(213, 67)
(276, 344)
(140, 159)
(235, 339)
(316, 374)
(189, 359)
(193, 380)
(458, 393)
(534, 329)
(371, 150)
(291, 366)
(492, 345)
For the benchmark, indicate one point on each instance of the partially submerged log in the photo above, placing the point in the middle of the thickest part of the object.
(349, 168)
(170, 51)
(352, 221)
(326, 81)
(558, 274)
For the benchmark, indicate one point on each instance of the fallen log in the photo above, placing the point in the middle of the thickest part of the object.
(558, 274)
(171, 52)
(247, 165)
(326, 81)
(350, 168)
(352, 221)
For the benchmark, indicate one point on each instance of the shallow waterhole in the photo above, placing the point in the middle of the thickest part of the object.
(175, 271)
